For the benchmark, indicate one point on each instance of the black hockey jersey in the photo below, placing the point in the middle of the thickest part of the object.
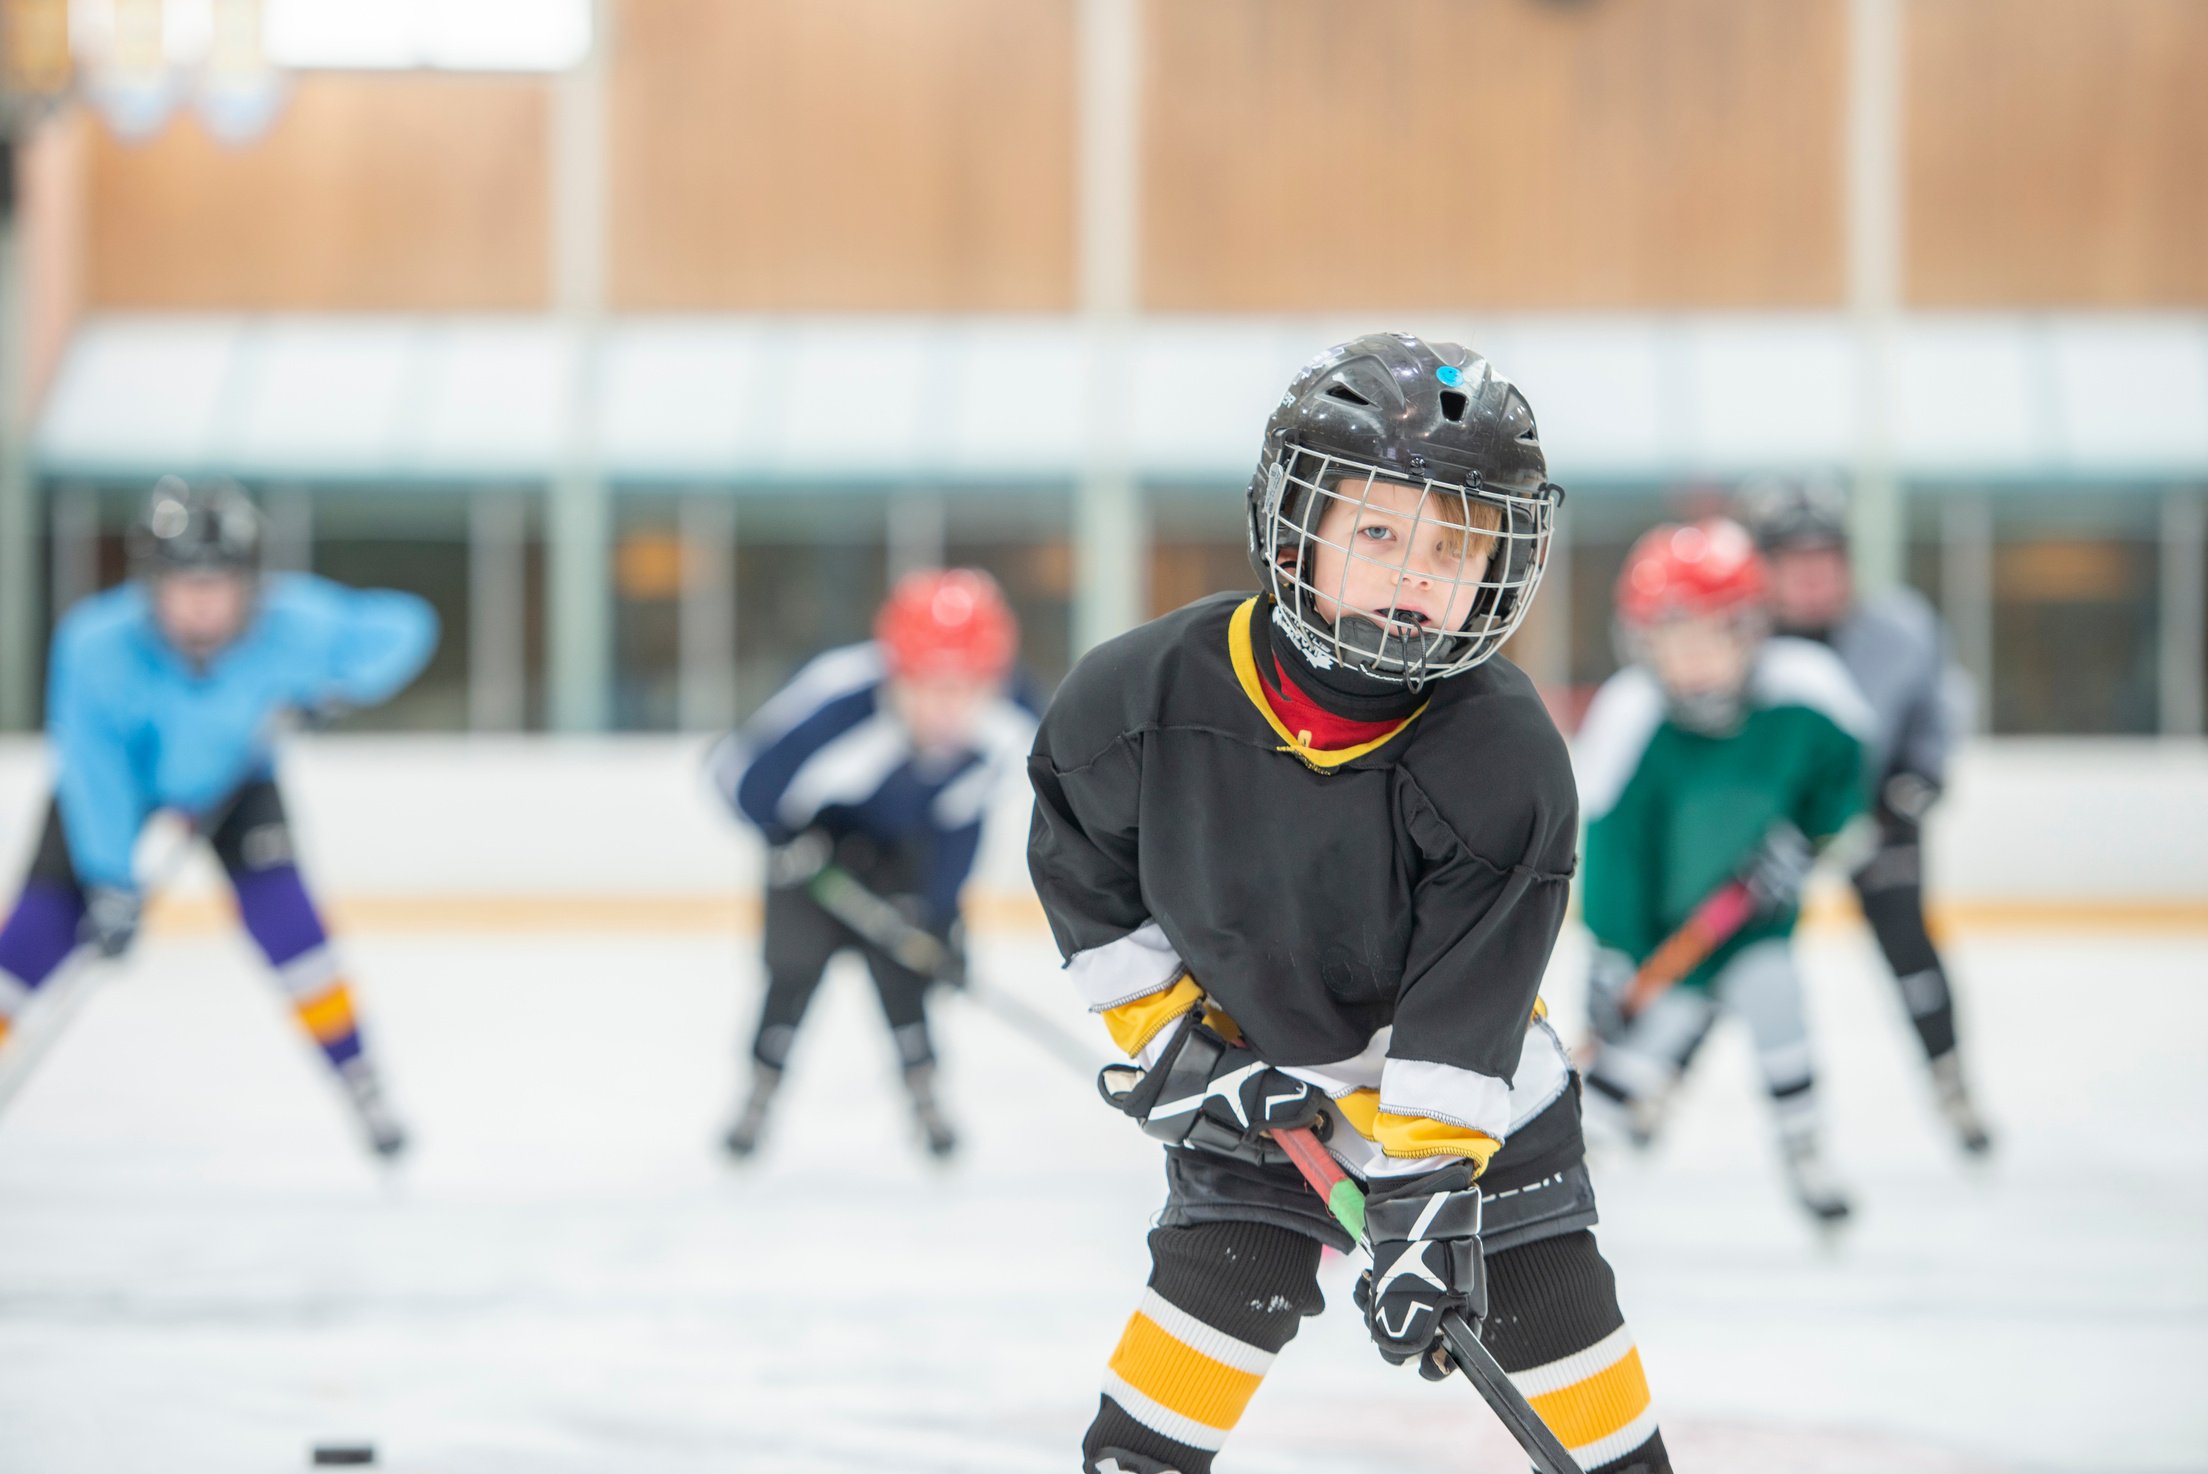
(1375, 919)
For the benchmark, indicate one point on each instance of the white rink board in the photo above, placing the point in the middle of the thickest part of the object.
(198, 1275)
(2108, 820)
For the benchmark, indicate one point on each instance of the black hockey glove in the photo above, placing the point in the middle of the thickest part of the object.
(1208, 1092)
(1778, 869)
(322, 715)
(1426, 1262)
(798, 860)
(1609, 980)
(954, 970)
(111, 918)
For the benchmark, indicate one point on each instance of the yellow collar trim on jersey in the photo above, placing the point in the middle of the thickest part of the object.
(1242, 648)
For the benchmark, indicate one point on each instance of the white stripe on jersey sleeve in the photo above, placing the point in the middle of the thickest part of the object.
(1607, 752)
(1133, 966)
(825, 677)
(1791, 672)
(1459, 1097)
(1462, 1097)
(850, 769)
(1005, 734)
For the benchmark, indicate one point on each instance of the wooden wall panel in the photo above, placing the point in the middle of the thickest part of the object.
(2058, 153)
(396, 191)
(51, 173)
(843, 154)
(1304, 154)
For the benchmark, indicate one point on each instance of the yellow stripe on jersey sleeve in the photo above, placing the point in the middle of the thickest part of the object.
(1135, 1024)
(1422, 1136)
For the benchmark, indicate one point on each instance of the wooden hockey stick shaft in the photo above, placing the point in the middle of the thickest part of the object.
(1346, 1201)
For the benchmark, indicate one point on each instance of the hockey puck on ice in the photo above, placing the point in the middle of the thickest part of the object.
(344, 1453)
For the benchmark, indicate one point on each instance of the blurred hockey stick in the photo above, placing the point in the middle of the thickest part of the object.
(845, 897)
(1722, 914)
(58, 1001)
(1715, 922)
(1346, 1201)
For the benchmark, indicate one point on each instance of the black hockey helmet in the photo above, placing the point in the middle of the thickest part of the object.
(208, 527)
(1795, 514)
(1393, 407)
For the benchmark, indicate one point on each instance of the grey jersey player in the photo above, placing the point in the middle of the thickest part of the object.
(1894, 646)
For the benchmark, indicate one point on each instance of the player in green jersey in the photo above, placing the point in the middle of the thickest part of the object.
(1719, 757)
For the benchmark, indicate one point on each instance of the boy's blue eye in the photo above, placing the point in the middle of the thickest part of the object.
(1450, 374)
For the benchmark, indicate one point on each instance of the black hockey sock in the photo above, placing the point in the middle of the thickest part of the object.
(1896, 915)
(1223, 1299)
(1554, 1324)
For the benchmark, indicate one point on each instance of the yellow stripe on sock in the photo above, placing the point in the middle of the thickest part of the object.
(328, 1015)
(1179, 1378)
(4, 1027)
(1597, 1406)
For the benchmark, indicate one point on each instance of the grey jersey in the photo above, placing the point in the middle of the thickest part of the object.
(1895, 647)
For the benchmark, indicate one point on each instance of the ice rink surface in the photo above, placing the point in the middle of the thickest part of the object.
(199, 1272)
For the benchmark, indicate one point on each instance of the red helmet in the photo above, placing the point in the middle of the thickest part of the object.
(948, 622)
(1709, 567)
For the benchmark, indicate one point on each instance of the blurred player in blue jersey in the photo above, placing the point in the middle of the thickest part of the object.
(166, 694)
(879, 760)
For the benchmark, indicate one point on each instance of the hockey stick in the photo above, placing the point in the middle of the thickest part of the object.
(1346, 1201)
(1722, 913)
(69, 988)
(845, 897)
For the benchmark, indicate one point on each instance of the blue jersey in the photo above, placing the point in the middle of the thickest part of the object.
(827, 753)
(136, 726)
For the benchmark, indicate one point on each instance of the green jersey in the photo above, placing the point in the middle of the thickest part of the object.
(1672, 814)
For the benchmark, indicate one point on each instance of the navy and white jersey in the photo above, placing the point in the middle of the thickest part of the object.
(827, 753)
(1895, 648)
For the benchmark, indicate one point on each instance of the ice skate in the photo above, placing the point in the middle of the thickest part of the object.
(1815, 1188)
(380, 1127)
(936, 1132)
(1955, 1103)
(742, 1137)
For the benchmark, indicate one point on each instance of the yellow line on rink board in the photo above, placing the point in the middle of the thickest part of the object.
(999, 912)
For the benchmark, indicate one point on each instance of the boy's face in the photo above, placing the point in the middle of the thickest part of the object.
(1701, 661)
(942, 712)
(1811, 588)
(199, 613)
(1378, 554)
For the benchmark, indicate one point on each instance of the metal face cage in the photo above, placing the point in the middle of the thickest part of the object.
(1403, 578)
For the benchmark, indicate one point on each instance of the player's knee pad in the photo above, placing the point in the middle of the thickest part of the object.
(1897, 920)
(1223, 1299)
(38, 934)
(279, 914)
(1553, 1323)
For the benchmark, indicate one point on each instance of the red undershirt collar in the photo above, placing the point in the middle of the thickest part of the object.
(1312, 723)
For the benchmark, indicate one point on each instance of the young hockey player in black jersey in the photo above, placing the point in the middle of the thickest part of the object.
(1306, 852)
(878, 760)
(1895, 649)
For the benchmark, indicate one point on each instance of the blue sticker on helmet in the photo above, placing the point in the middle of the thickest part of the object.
(1450, 374)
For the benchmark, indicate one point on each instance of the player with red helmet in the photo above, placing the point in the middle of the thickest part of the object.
(1719, 756)
(868, 775)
